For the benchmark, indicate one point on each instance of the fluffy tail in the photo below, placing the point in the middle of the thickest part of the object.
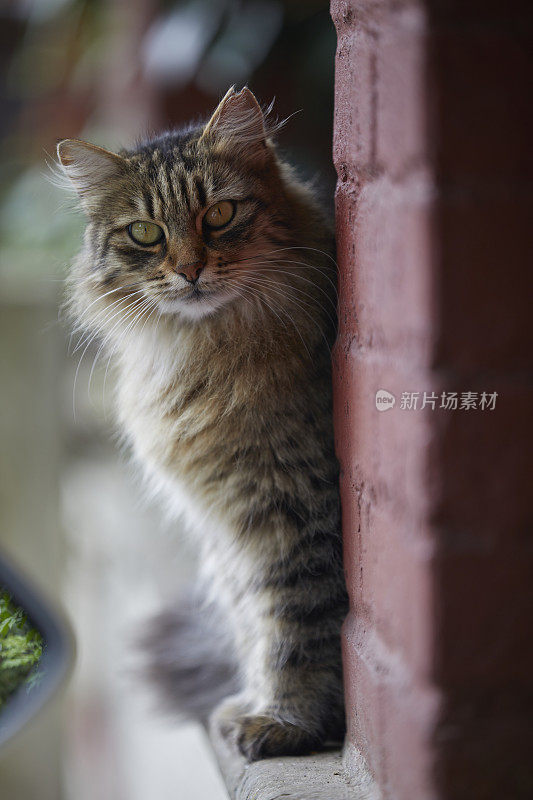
(188, 658)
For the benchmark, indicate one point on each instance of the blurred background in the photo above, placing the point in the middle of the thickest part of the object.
(71, 510)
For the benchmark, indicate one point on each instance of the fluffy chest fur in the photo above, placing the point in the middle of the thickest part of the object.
(212, 413)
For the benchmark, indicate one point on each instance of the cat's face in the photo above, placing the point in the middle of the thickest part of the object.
(186, 219)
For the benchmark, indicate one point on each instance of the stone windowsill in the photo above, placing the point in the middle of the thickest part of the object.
(333, 775)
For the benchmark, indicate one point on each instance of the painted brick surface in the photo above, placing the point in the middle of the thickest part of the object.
(432, 149)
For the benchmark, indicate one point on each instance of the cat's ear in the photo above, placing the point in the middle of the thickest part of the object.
(89, 168)
(238, 117)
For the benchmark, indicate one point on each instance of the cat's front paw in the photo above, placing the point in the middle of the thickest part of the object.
(259, 736)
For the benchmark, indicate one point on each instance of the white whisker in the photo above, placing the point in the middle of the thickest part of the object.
(299, 304)
(107, 307)
(297, 289)
(261, 298)
(137, 312)
(83, 354)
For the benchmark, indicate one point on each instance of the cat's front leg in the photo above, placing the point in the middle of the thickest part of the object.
(293, 700)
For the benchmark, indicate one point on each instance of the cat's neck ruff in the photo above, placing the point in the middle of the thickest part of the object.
(173, 344)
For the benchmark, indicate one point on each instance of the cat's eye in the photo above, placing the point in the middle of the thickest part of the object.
(220, 214)
(145, 232)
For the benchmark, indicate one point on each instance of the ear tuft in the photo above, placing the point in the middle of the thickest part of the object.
(238, 116)
(88, 167)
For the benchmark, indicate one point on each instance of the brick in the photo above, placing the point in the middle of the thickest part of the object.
(345, 202)
(396, 589)
(401, 137)
(484, 601)
(387, 448)
(410, 714)
(487, 13)
(387, 285)
(379, 107)
(354, 118)
(350, 13)
(482, 508)
(394, 716)
(480, 93)
(484, 282)
(362, 699)
(484, 742)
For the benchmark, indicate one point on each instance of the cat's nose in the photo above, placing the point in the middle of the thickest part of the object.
(191, 272)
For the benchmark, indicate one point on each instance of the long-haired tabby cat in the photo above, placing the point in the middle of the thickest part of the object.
(207, 269)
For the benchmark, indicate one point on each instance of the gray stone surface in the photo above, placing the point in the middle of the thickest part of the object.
(317, 777)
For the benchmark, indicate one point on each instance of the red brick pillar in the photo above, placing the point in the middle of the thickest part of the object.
(433, 146)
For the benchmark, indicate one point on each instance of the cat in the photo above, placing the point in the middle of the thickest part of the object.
(208, 271)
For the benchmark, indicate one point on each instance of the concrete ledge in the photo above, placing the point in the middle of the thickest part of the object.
(318, 777)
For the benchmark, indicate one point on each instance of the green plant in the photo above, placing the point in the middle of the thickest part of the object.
(21, 648)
